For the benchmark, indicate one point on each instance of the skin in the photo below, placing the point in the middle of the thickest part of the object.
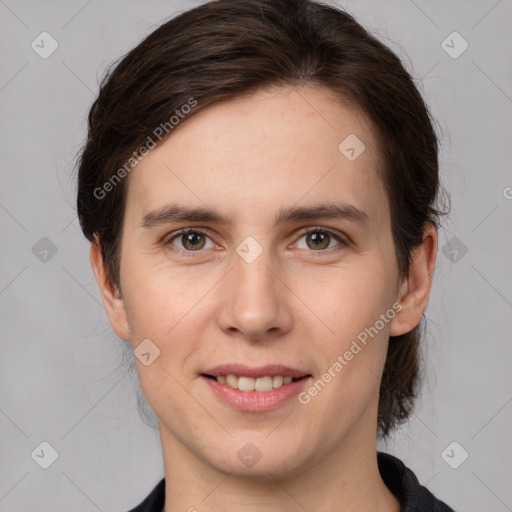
(295, 304)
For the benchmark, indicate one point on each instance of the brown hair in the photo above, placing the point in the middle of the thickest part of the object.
(224, 48)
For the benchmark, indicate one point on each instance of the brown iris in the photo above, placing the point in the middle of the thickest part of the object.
(192, 239)
(319, 240)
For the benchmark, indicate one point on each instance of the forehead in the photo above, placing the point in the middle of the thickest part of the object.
(250, 155)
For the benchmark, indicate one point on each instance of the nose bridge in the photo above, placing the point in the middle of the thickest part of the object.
(255, 297)
(252, 261)
(255, 278)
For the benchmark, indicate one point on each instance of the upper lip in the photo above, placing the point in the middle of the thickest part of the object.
(255, 371)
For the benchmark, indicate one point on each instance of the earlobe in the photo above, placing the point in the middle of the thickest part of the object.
(110, 295)
(414, 290)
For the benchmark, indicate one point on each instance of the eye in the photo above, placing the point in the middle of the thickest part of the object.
(192, 240)
(318, 239)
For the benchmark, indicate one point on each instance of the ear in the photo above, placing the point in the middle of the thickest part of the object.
(415, 288)
(112, 300)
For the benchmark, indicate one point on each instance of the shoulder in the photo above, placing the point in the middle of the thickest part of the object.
(402, 482)
(154, 501)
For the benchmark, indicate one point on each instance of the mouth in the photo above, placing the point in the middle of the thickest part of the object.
(255, 389)
(264, 383)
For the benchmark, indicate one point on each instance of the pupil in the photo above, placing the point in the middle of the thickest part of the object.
(193, 239)
(318, 239)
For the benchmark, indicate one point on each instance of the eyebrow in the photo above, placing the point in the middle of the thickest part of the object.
(177, 213)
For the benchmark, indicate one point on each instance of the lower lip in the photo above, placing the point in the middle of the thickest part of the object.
(256, 401)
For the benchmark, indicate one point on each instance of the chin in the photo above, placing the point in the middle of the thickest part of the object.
(262, 458)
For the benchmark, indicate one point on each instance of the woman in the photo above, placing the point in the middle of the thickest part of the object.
(259, 187)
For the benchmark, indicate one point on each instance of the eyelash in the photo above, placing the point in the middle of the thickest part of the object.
(187, 231)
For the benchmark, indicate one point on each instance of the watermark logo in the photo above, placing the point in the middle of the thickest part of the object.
(454, 455)
(44, 250)
(44, 455)
(454, 45)
(159, 133)
(343, 359)
(249, 249)
(146, 352)
(249, 455)
(454, 249)
(44, 45)
(351, 147)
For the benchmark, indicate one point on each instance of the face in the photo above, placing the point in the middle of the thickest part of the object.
(292, 264)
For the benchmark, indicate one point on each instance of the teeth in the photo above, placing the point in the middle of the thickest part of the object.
(232, 381)
(245, 383)
(263, 384)
(277, 381)
(266, 383)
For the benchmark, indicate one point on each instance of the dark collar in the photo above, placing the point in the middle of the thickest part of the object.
(402, 482)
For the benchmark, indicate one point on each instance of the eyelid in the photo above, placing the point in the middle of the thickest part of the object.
(185, 231)
(342, 239)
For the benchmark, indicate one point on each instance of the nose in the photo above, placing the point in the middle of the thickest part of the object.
(255, 300)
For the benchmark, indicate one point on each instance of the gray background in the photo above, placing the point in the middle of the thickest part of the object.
(62, 375)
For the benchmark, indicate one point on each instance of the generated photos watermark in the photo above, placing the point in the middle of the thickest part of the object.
(158, 133)
(343, 360)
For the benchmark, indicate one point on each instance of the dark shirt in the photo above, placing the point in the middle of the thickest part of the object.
(399, 479)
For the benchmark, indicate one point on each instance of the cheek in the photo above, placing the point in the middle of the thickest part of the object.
(170, 308)
(158, 296)
(354, 349)
(354, 342)
(348, 300)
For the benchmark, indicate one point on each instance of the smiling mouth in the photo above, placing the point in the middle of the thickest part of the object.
(266, 383)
